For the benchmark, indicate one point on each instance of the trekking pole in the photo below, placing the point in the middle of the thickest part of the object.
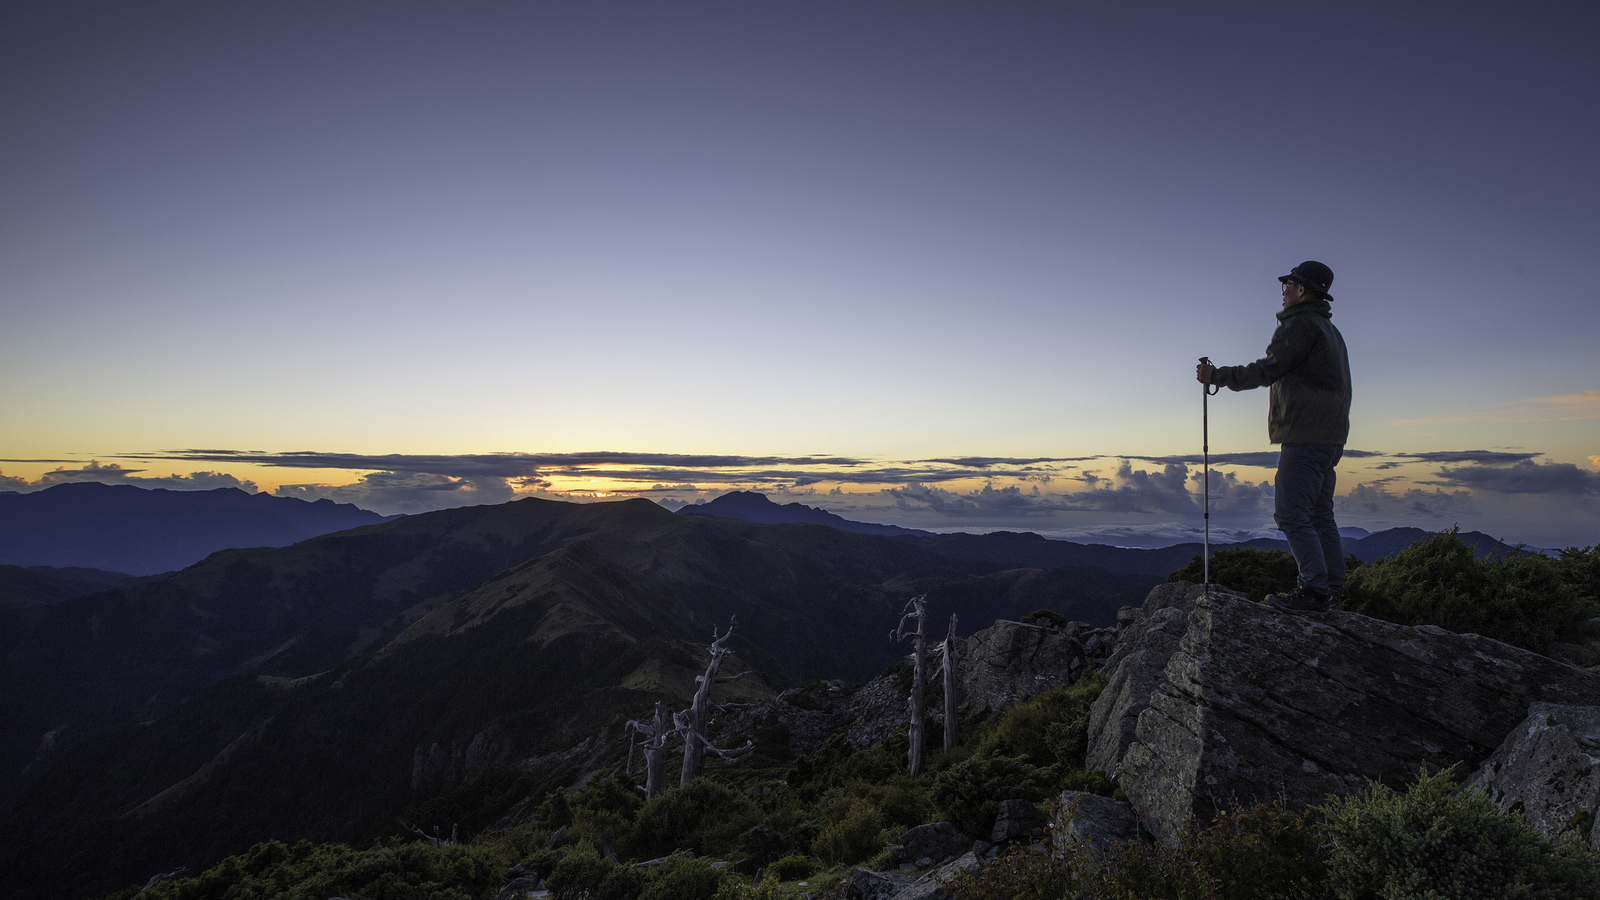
(1205, 456)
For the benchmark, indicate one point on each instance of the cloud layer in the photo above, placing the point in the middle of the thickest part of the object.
(1053, 495)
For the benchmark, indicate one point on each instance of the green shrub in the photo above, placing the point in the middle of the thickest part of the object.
(970, 791)
(1524, 599)
(580, 873)
(1438, 840)
(314, 872)
(792, 868)
(1254, 573)
(836, 763)
(683, 877)
(702, 816)
(854, 831)
(622, 883)
(1048, 729)
(1263, 853)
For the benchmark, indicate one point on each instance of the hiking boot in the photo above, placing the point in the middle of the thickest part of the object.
(1302, 600)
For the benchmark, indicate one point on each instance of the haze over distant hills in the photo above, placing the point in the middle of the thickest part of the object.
(122, 528)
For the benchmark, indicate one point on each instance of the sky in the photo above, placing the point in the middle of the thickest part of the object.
(943, 265)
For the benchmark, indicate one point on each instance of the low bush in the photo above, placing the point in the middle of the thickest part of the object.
(308, 871)
(1439, 840)
(1263, 853)
(969, 792)
(1254, 573)
(791, 868)
(1526, 599)
(702, 816)
(579, 874)
(682, 877)
(854, 831)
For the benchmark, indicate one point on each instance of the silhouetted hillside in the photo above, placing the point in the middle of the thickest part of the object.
(42, 584)
(320, 690)
(123, 528)
(812, 601)
(751, 506)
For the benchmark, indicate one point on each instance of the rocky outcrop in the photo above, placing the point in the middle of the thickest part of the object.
(1215, 702)
(1016, 819)
(865, 884)
(925, 845)
(1009, 662)
(1093, 824)
(1549, 770)
(999, 667)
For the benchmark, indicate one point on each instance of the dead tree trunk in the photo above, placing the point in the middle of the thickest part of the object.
(917, 609)
(947, 663)
(656, 733)
(692, 722)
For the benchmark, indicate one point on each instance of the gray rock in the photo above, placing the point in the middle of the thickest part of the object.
(936, 884)
(865, 884)
(1252, 704)
(1093, 823)
(1008, 662)
(1148, 638)
(1549, 768)
(936, 841)
(1016, 819)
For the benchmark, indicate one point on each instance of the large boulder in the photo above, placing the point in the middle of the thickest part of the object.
(1016, 819)
(936, 884)
(1097, 825)
(1251, 705)
(928, 844)
(1548, 768)
(1008, 662)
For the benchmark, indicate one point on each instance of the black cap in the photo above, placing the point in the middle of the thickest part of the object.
(1314, 276)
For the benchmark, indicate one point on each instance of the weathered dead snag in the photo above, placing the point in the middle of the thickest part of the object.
(656, 734)
(948, 661)
(691, 723)
(688, 725)
(916, 608)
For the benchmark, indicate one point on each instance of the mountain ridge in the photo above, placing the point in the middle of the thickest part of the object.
(144, 531)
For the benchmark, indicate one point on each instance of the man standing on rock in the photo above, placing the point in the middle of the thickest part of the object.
(1308, 414)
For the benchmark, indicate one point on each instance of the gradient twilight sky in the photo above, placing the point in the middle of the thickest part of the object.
(947, 265)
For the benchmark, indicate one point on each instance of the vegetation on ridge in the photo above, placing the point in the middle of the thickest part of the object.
(1528, 600)
(1433, 841)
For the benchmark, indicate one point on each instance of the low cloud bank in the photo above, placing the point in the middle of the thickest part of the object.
(1057, 496)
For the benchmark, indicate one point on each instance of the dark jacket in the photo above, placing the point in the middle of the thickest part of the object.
(1309, 371)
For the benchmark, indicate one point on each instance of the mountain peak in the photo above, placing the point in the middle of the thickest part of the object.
(751, 506)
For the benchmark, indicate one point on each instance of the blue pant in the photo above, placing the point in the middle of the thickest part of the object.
(1303, 508)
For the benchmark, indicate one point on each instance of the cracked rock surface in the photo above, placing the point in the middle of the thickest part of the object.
(1214, 702)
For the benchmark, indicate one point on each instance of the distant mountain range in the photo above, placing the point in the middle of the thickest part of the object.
(122, 528)
(1027, 548)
